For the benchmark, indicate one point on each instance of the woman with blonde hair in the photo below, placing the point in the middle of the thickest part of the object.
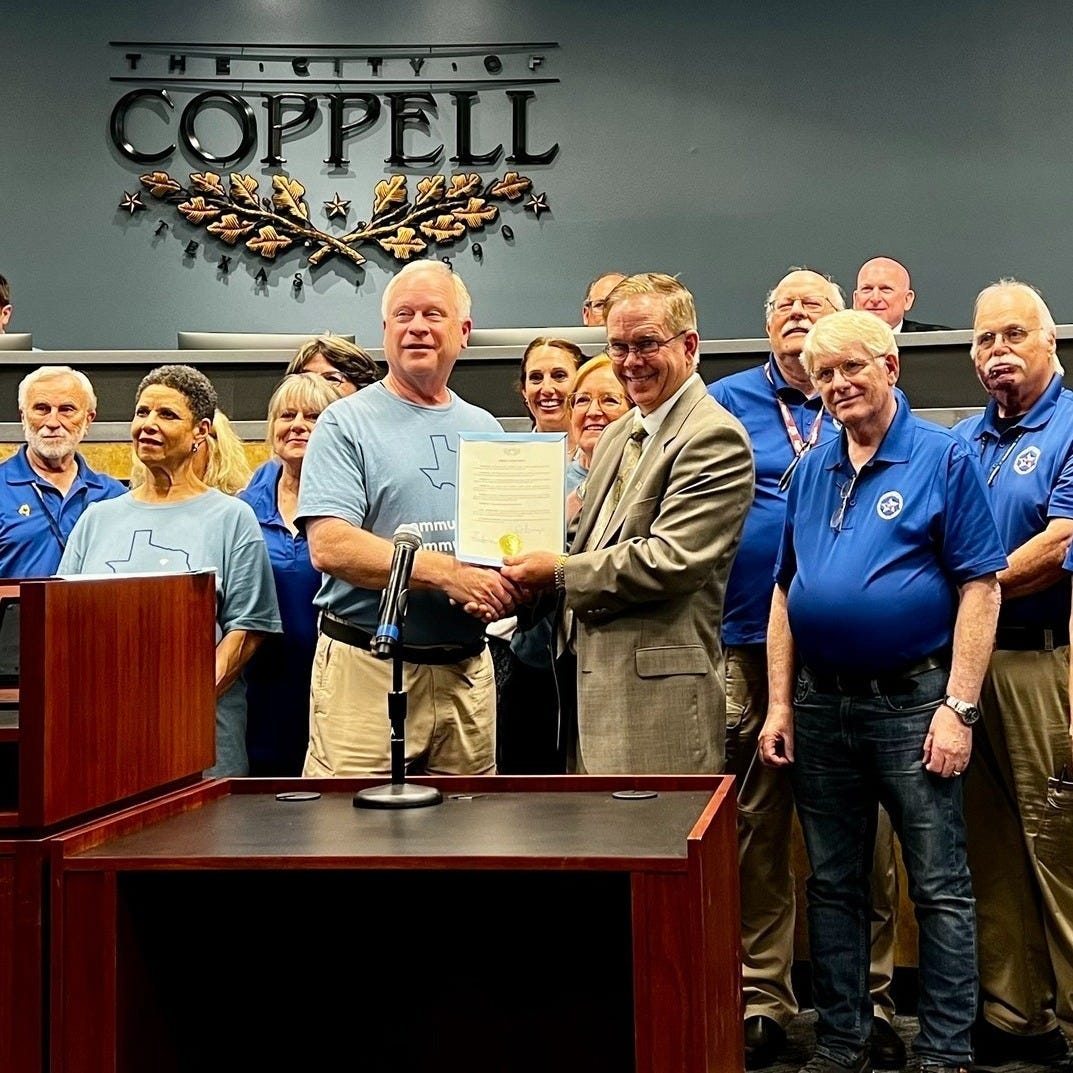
(277, 678)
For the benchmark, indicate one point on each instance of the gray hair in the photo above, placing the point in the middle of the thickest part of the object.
(462, 298)
(53, 372)
(1046, 319)
(833, 335)
(835, 294)
(306, 391)
(191, 383)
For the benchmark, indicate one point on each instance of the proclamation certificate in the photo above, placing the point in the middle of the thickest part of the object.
(511, 495)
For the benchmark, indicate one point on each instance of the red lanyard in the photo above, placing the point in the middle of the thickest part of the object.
(799, 445)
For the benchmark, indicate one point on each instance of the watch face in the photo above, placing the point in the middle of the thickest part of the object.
(967, 713)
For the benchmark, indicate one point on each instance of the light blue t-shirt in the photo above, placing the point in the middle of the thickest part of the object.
(212, 531)
(378, 462)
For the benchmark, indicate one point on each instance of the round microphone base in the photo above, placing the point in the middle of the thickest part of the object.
(397, 795)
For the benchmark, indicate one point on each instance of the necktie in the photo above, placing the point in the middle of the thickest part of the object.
(631, 455)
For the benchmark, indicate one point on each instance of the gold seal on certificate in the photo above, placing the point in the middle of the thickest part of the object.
(510, 543)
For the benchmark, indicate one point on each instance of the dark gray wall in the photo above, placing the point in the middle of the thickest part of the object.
(723, 141)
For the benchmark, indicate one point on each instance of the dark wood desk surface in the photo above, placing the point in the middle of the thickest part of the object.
(577, 931)
(466, 830)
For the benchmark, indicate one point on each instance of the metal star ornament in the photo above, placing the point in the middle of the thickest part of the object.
(336, 207)
(132, 202)
(537, 204)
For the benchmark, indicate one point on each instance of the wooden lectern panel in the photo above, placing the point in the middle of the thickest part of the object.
(116, 691)
(523, 924)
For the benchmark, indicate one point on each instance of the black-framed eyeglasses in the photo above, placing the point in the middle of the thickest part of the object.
(643, 348)
(606, 400)
(850, 369)
(1012, 335)
(839, 517)
(810, 303)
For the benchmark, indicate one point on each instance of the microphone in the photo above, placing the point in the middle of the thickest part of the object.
(392, 610)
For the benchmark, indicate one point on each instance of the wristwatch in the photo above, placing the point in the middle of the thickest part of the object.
(966, 712)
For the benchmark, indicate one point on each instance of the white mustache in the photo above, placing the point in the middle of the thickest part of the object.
(1004, 359)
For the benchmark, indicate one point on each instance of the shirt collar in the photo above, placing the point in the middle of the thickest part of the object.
(1039, 414)
(786, 391)
(896, 444)
(652, 422)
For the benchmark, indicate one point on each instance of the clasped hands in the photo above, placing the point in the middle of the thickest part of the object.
(492, 593)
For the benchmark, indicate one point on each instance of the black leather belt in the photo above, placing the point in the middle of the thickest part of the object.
(859, 685)
(356, 637)
(1031, 638)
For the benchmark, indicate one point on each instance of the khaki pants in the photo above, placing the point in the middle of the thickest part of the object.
(450, 719)
(765, 824)
(1020, 840)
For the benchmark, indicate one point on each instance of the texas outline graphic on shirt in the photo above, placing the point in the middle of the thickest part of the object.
(146, 557)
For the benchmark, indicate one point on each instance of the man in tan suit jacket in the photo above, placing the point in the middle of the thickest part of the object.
(645, 578)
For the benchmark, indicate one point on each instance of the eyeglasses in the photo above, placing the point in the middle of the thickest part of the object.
(850, 369)
(643, 348)
(608, 400)
(839, 516)
(594, 303)
(811, 303)
(1012, 335)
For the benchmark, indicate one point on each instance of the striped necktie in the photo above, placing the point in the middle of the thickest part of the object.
(631, 455)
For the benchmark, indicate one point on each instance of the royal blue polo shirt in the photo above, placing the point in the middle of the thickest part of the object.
(881, 592)
(36, 518)
(751, 397)
(1029, 470)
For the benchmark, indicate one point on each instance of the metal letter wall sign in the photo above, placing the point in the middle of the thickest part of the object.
(442, 211)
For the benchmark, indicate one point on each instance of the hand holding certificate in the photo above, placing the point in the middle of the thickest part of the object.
(511, 495)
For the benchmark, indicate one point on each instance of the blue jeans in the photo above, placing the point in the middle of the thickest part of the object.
(851, 752)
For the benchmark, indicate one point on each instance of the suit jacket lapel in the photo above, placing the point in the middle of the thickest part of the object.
(601, 477)
(671, 427)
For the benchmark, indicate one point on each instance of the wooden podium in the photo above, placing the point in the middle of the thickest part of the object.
(523, 925)
(115, 702)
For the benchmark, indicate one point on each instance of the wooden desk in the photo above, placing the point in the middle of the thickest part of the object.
(524, 924)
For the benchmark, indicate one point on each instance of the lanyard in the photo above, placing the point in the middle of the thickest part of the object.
(793, 433)
(993, 472)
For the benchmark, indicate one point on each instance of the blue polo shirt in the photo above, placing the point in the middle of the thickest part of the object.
(881, 592)
(1032, 463)
(751, 397)
(277, 676)
(36, 518)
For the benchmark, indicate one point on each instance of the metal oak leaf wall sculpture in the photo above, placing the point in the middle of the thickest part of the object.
(442, 211)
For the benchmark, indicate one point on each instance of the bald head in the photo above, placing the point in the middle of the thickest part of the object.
(883, 288)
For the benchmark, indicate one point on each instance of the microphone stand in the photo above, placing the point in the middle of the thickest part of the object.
(398, 793)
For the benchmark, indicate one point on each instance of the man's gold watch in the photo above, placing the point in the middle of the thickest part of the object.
(967, 712)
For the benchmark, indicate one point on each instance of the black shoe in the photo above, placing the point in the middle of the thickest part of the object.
(764, 1039)
(885, 1046)
(993, 1046)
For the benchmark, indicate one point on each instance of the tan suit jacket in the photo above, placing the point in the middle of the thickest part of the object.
(648, 598)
